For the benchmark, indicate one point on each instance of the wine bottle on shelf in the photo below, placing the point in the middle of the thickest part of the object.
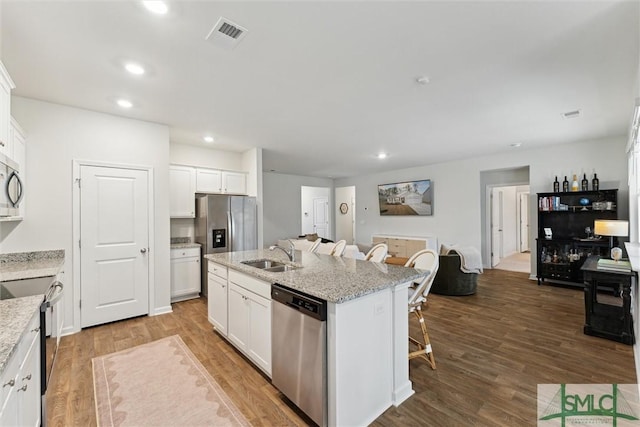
(585, 183)
(595, 182)
(574, 183)
(565, 184)
(556, 186)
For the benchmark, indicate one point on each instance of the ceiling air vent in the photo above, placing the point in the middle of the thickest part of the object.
(226, 34)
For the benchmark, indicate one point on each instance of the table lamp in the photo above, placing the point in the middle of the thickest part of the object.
(612, 227)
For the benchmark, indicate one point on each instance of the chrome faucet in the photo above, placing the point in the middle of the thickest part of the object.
(291, 252)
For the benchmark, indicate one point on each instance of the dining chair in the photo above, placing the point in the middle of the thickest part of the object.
(425, 260)
(326, 248)
(377, 253)
(339, 248)
(314, 246)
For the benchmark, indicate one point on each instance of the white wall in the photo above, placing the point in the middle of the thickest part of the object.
(458, 193)
(282, 207)
(192, 155)
(344, 222)
(57, 135)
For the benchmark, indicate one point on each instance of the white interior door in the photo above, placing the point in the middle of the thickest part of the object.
(321, 217)
(524, 222)
(496, 226)
(114, 244)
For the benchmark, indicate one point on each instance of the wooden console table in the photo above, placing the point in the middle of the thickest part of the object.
(604, 320)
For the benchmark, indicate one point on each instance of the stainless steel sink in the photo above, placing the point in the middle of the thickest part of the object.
(269, 265)
(281, 268)
(263, 264)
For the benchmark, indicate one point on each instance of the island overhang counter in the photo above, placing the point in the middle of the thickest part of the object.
(367, 325)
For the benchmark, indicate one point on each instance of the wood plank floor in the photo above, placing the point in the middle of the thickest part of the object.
(491, 350)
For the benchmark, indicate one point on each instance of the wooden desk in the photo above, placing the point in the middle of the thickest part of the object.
(602, 319)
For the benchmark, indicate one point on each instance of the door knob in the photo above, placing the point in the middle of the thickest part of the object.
(143, 250)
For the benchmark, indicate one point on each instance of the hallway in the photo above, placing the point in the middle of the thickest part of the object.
(519, 262)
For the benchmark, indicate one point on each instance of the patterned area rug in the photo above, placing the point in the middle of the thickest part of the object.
(160, 383)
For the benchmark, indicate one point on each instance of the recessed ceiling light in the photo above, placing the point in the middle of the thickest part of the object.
(423, 80)
(516, 144)
(208, 139)
(124, 103)
(572, 114)
(134, 68)
(382, 155)
(158, 7)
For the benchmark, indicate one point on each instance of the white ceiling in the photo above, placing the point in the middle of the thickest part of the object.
(323, 87)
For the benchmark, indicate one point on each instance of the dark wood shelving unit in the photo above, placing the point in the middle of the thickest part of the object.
(567, 215)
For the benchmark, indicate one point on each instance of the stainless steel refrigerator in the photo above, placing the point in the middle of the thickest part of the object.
(225, 224)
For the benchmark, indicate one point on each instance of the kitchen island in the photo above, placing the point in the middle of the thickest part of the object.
(367, 324)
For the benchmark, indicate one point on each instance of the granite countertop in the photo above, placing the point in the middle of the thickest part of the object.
(185, 245)
(334, 279)
(28, 265)
(15, 315)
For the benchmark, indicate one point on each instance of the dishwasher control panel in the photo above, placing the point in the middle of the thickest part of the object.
(304, 303)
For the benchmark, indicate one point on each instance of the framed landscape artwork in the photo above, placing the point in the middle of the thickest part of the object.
(406, 198)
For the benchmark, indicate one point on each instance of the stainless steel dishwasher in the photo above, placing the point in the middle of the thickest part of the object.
(299, 350)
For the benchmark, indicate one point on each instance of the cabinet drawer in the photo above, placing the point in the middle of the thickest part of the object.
(185, 253)
(218, 270)
(9, 379)
(556, 270)
(375, 240)
(250, 283)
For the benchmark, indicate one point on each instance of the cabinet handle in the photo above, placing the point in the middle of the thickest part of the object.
(28, 378)
(10, 383)
(23, 388)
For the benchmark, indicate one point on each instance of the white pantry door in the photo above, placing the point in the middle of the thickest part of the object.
(497, 207)
(114, 235)
(321, 217)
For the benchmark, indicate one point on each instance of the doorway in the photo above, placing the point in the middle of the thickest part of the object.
(112, 226)
(510, 228)
(505, 219)
(316, 216)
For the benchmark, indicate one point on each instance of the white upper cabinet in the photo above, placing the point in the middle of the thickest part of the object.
(208, 181)
(6, 84)
(234, 182)
(182, 190)
(217, 181)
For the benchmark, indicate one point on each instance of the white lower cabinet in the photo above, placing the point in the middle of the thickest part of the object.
(217, 302)
(20, 403)
(185, 274)
(241, 311)
(250, 325)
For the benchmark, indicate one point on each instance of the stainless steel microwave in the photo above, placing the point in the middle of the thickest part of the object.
(11, 187)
